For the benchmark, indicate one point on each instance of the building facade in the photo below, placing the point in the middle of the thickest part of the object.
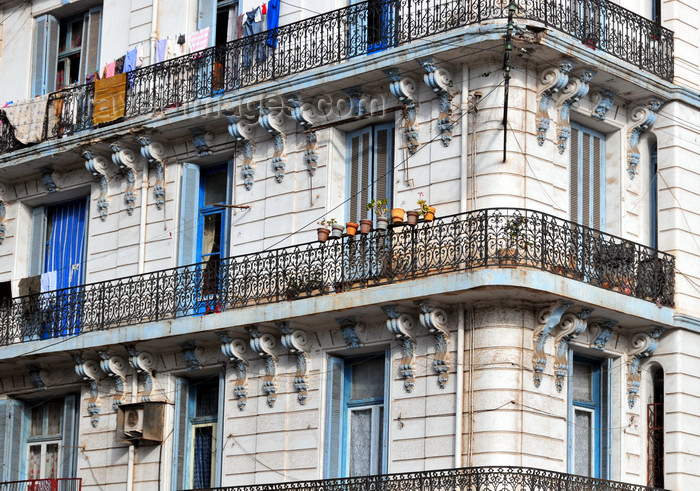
(171, 320)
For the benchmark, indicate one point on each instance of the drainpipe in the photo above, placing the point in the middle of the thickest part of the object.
(132, 448)
(459, 396)
(154, 31)
(463, 194)
(142, 223)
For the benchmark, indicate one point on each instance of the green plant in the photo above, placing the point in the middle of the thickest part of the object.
(422, 204)
(328, 222)
(515, 229)
(379, 207)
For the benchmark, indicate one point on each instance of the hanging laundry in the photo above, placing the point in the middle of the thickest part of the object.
(130, 61)
(239, 26)
(109, 99)
(48, 281)
(139, 56)
(258, 14)
(273, 22)
(199, 40)
(264, 8)
(119, 65)
(161, 47)
(27, 118)
(109, 70)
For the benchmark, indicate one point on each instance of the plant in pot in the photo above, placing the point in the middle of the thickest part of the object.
(336, 228)
(351, 228)
(324, 230)
(380, 211)
(515, 240)
(427, 212)
(397, 215)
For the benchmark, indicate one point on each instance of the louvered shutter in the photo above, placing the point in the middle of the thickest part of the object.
(91, 43)
(38, 243)
(575, 175)
(334, 418)
(382, 174)
(207, 18)
(605, 419)
(587, 183)
(70, 431)
(5, 424)
(13, 440)
(220, 423)
(180, 435)
(359, 165)
(45, 55)
(189, 214)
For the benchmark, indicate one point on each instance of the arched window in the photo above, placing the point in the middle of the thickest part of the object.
(655, 430)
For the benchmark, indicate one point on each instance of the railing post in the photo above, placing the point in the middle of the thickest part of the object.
(410, 20)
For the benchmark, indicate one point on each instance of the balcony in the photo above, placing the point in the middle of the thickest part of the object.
(64, 484)
(490, 238)
(471, 478)
(358, 30)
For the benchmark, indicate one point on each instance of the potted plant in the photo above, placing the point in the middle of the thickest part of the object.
(427, 212)
(323, 230)
(365, 226)
(351, 228)
(336, 228)
(380, 210)
(412, 217)
(397, 215)
(508, 256)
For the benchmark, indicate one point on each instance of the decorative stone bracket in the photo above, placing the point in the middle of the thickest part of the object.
(603, 100)
(115, 367)
(348, 328)
(191, 354)
(234, 350)
(303, 114)
(97, 166)
(439, 80)
(549, 318)
(37, 376)
(552, 81)
(571, 325)
(125, 159)
(400, 326)
(295, 341)
(48, 179)
(644, 118)
(435, 321)
(405, 90)
(358, 100)
(643, 345)
(89, 371)
(143, 363)
(243, 133)
(202, 140)
(154, 153)
(601, 331)
(274, 124)
(571, 94)
(263, 344)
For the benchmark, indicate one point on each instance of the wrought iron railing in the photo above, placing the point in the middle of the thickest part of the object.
(469, 478)
(504, 238)
(358, 30)
(63, 484)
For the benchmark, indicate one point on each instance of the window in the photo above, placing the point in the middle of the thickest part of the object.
(656, 11)
(65, 50)
(654, 197)
(587, 199)
(589, 418)
(370, 165)
(372, 26)
(199, 409)
(356, 424)
(655, 430)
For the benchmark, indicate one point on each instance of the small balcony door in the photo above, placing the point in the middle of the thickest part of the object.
(373, 26)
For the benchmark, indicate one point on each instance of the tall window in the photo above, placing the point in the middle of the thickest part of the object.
(356, 421)
(656, 11)
(589, 418)
(654, 196)
(655, 431)
(372, 26)
(212, 221)
(587, 162)
(370, 166)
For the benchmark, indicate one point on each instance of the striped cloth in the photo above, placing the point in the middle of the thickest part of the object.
(199, 40)
(109, 99)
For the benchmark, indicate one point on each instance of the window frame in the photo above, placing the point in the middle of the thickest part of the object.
(576, 145)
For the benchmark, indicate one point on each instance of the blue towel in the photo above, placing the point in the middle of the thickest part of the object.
(161, 47)
(130, 61)
(273, 22)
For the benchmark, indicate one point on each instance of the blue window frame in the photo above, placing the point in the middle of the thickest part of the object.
(372, 26)
(587, 183)
(211, 238)
(654, 242)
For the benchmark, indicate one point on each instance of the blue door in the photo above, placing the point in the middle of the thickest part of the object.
(372, 26)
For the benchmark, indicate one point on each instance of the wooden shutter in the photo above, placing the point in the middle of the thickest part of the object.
(382, 174)
(220, 423)
(89, 59)
(334, 418)
(587, 182)
(358, 172)
(38, 242)
(180, 434)
(605, 419)
(11, 431)
(207, 18)
(68, 441)
(46, 31)
(189, 215)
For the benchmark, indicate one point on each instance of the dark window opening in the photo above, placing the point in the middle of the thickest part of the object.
(655, 431)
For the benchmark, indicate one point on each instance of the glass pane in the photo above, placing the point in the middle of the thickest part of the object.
(51, 467)
(62, 37)
(54, 418)
(211, 235)
(583, 444)
(367, 379)
(76, 35)
(215, 188)
(207, 400)
(360, 448)
(201, 461)
(582, 390)
(380, 443)
(34, 466)
(37, 423)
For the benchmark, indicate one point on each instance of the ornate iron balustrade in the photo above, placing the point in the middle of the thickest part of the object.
(62, 484)
(469, 478)
(358, 30)
(504, 238)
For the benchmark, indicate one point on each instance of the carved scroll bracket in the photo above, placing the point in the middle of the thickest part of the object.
(37, 376)
(643, 118)
(571, 325)
(202, 140)
(273, 123)
(243, 134)
(263, 344)
(192, 353)
(603, 100)
(115, 367)
(234, 350)
(571, 94)
(154, 153)
(401, 325)
(549, 318)
(143, 363)
(349, 327)
(601, 331)
(439, 80)
(48, 179)
(435, 321)
(296, 342)
(552, 80)
(303, 113)
(97, 166)
(89, 370)
(125, 159)
(405, 90)
(359, 100)
(643, 345)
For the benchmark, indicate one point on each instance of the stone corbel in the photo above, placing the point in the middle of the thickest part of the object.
(263, 344)
(435, 321)
(405, 90)
(143, 363)
(154, 153)
(125, 159)
(97, 166)
(603, 100)
(274, 124)
(295, 341)
(358, 100)
(601, 331)
(439, 80)
(571, 325)
(549, 318)
(552, 80)
(348, 328)
(192, 354)
(644, 118)
(202, 140)
(115, 367)
(303, 114)
(3, 212)
(643, 345)
(37, 376)
(243, 134)
(89, 370)
(48, 179)
(571, 94)
(400, 326)
(234, 350)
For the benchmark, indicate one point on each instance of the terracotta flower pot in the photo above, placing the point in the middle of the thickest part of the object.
(365, 226)
(397, 215)
(430, 214)
(323, 234)
(382, 223)
(351, 228)
(337, 231)
(412, 217)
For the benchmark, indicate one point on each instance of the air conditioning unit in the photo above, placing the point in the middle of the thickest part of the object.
(133, 422)
(141, 423)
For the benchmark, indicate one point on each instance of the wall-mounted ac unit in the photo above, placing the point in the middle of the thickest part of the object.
(140, 423)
